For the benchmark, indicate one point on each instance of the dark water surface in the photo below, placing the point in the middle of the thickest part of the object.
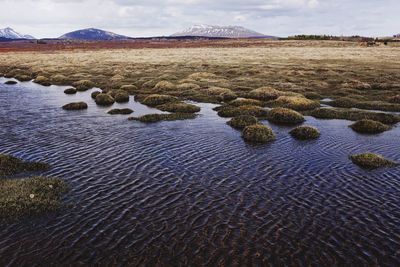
(193, 193)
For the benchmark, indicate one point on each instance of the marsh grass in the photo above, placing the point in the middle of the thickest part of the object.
(104, 100)
(348, 102)
(156, 99)
(83, 85)
(369, 127)
(151, 118)
(232, 111)
(258, 133)
(10, 165)
(352, 115)
(10, 82)
(75, 106)
(30, 196)
(179, 107)
(285, 116)
(123, 111)
(242, 121)
(305, 133)
(70, 91)
(95, 94)
(298, 103)
(371, 161)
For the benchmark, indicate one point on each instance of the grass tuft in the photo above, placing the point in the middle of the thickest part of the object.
(371, 161)
(285, 116)
(258, 133)
(75, 106)
(369, 127)
(305, 133)
(242, 121)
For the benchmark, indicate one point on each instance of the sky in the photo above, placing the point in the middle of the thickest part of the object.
(141, 18)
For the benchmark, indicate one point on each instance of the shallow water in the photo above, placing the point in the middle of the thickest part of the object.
(192, 192)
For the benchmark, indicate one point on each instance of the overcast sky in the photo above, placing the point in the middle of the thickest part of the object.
(52, 18)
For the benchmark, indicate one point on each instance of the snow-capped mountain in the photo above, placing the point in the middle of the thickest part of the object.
(219, 31)
(92, 34)
(11, 34)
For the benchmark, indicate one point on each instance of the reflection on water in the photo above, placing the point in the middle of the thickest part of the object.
(192, 192)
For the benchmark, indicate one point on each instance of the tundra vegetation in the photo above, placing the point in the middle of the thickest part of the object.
(27, 196)
(244, 77)
(122, 111)
(258, 133)
(369, 127)
(75, 106)
(305, 133)
(371, 161)
(70, 91)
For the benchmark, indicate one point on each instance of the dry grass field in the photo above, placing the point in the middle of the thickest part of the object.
(298, 71)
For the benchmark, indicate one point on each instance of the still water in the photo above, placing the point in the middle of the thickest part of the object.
(193, 192)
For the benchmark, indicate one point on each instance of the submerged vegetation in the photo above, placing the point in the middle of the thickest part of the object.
(123, 111)
(258, 133)
(10, 165)
(163, 117)
(369, 127)
(305, 133)
(371, 161)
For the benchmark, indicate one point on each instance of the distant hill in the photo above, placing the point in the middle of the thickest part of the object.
(11, 34)
(91, 34)
(221, 31)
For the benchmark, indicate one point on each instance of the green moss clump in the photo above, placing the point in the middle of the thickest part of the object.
(30, 196)
(10, 82)
(83, 85)
(264, 94)
(242, 121)
(155, 100)
(95, 94)
(104, 100)
(70, 91)
(75, 106)
(10, 165)
(123, 111)
(285, 116)
(305, 133)
(352, 115)
(163, 117)
(371, 161)
(179, 108)
(258, 133)
(294, 102)
(122, 97)
(245, 102)
(369, 127)
(255, 111)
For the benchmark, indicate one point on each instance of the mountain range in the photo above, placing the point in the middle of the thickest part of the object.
(220, 31)
(11, 34)
(206, 31)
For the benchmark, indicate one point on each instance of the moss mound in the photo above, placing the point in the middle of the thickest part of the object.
(371, 161)
(258, 133)
(188, 86)
(264, 94)
(245, 102)
(122, 97)
(227, 96)
(369, 127)
(305, 133)
(255, 111)
(42, 80)
(155, 100)
(10, 82)
(164, 86)
(163, 117)
(95, 94)
(285, 116)
(10, 165)
(83, 85)
(30, 196)
(104, 100)
(123, 111)
(242, 121)
(75, 106)
(294, 102)
(23, 77)
(129, 88)
(70, 91)
(348, 102)
(352, 115)
(179, 108)
(395, 99)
